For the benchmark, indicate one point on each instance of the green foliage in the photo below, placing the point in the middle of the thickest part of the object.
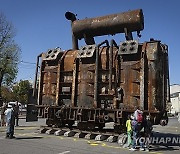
(7, 94)
(9, 54)
(21, 91)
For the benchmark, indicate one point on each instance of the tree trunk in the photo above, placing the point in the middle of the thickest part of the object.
(1, 79)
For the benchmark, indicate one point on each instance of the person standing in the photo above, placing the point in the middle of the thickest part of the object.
(129, 131)
(138, 117)
(10, 120)
(147, 132)
(138, 114)
(135, 134)
(16, 113)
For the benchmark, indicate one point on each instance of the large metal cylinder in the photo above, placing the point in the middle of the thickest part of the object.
(110, 24)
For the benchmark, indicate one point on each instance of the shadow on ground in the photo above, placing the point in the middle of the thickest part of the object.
(21, 138)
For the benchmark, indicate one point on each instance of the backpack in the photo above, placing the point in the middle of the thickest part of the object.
(139, 117)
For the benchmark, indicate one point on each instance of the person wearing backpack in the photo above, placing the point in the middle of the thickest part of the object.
(137, 126)
(138, 114)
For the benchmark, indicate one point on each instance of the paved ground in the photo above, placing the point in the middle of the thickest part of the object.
(29, 141)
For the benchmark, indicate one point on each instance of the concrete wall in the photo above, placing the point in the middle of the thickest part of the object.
(175, 98)
(174, 88)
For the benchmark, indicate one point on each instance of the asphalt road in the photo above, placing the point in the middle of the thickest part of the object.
(29, 141)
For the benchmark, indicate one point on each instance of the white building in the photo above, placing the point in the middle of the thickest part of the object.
(175, 98)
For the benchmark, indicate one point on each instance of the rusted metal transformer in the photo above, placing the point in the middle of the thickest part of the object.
(104, 82)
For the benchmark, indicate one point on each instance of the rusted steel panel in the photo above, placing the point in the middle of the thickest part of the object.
(111, 24)
(104, 59)
(153, 61)
(48, 100)
(49, 80)
(66, 77)
(130, 83)
(59, 69)
(130, 78)
(69, 60)
(85, 86)
(157, 76)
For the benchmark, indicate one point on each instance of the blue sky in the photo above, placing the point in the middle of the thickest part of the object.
(41, 25)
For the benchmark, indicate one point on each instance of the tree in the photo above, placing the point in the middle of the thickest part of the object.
(21, 91)
(7, 94)
(9, 54)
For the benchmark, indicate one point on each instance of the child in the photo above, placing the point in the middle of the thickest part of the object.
(129, 131)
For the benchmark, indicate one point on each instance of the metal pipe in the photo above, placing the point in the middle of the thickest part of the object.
(71, 16)
(111, 62)
(110, 24)
(35, 81)
(128, 34)
(74, 43)
(96, 74)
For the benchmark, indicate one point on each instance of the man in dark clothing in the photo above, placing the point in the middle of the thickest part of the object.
(147, 132)
(16, 113)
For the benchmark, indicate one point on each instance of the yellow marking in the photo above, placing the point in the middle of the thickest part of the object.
(93, 144)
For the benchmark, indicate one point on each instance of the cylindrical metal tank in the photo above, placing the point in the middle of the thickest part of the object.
(110, 24)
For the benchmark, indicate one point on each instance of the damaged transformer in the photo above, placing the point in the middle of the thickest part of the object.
(100, 83)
